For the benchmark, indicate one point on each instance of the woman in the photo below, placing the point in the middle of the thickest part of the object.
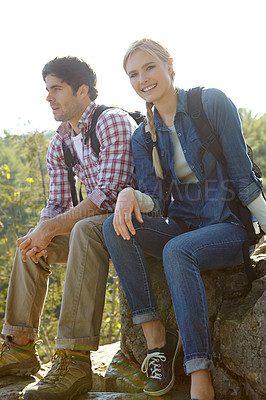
(201, 198)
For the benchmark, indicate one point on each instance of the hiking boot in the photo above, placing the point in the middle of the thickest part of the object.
(68, 377)
(159, 365)
(18, 360)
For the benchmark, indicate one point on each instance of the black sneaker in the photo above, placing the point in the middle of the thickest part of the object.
(159, 365)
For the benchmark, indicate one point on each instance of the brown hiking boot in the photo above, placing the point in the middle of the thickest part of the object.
(68, 377)
(18, 360)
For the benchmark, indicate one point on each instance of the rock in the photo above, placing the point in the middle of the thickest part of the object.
(242, 332)
(237, 324)
(101, 360)
(12, 387)
(123, 379)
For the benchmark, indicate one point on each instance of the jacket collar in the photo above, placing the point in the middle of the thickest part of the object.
(181, 108)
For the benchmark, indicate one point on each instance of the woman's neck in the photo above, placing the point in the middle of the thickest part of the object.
(167, 107)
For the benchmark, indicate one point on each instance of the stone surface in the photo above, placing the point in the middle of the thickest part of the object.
(237, 324)
(123, 380)
(101, 359)
(12, 388)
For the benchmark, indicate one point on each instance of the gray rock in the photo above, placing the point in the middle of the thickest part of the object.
(237, 324)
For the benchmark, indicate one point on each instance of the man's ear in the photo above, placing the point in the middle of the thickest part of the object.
(83, 90)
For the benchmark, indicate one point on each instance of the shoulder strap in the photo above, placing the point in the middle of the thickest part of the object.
(211, 143)
(69, 160)
(204, 129)
(92, 131)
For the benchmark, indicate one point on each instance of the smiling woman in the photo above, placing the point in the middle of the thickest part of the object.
(198, 231)
(150, 77)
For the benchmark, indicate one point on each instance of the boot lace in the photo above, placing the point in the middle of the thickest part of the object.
(59, 367)
(5, 347)
(153, 363)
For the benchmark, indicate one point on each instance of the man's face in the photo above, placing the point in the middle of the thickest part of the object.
(66, 105)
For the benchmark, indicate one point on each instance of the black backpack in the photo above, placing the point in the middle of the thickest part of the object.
(69, 159)
(210, 142)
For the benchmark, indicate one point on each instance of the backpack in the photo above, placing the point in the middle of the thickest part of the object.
(210, 142)
(68, 157)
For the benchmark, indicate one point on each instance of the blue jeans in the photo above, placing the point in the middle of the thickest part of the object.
(184, 256)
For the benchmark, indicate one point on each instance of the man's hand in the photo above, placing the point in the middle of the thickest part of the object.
(126, 205)
(34, 243)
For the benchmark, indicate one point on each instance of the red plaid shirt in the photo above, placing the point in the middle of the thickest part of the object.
(103, 177)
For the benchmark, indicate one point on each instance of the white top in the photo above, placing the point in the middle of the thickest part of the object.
(182, 169)
(77, 141)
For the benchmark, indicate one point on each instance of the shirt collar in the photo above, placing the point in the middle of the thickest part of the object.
(181, 108)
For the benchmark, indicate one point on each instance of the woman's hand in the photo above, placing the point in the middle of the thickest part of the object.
(126, 205)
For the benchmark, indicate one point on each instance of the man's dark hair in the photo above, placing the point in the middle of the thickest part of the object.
(74, 72)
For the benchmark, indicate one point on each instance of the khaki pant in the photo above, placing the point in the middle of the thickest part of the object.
(87, 261)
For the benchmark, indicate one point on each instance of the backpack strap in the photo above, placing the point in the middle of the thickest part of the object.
(69, 159)
(92, 131)
(70, 162)
(210, 142)
(204, 129)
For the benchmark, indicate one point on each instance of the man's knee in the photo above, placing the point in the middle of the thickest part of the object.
(91, 227)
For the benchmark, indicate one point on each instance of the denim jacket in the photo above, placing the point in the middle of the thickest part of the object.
(207, 201)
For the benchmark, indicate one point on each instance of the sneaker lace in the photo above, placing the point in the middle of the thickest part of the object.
(59, 366)
(153, 362)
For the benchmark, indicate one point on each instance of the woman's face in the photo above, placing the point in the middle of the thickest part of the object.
(149, 76)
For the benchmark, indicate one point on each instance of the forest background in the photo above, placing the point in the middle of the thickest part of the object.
(24, 190)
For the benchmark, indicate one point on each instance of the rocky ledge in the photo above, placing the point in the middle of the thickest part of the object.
(237, 321)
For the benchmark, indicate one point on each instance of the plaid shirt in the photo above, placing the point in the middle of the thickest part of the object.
(103, 177)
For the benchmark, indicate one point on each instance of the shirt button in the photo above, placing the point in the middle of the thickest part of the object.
(185, 151)
(179, 134)
(192, 167)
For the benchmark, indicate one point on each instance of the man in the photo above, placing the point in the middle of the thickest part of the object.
(68, 235)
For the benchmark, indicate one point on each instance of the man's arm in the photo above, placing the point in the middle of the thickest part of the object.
(115, 170)
(34, 242)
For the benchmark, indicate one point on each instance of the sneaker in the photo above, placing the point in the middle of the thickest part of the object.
(18, 360)
(159, 365)
(68, 377)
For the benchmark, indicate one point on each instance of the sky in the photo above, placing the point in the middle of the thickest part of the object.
(214, 44)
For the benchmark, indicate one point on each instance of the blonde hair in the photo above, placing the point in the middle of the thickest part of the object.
(160, 52)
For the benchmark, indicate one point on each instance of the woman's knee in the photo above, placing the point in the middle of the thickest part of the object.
(178, 248)
(108, 228)
(178, 255)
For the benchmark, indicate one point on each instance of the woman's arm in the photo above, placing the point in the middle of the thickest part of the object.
(225, 120)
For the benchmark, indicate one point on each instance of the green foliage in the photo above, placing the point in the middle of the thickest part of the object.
(24, 186)
(255, 134)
